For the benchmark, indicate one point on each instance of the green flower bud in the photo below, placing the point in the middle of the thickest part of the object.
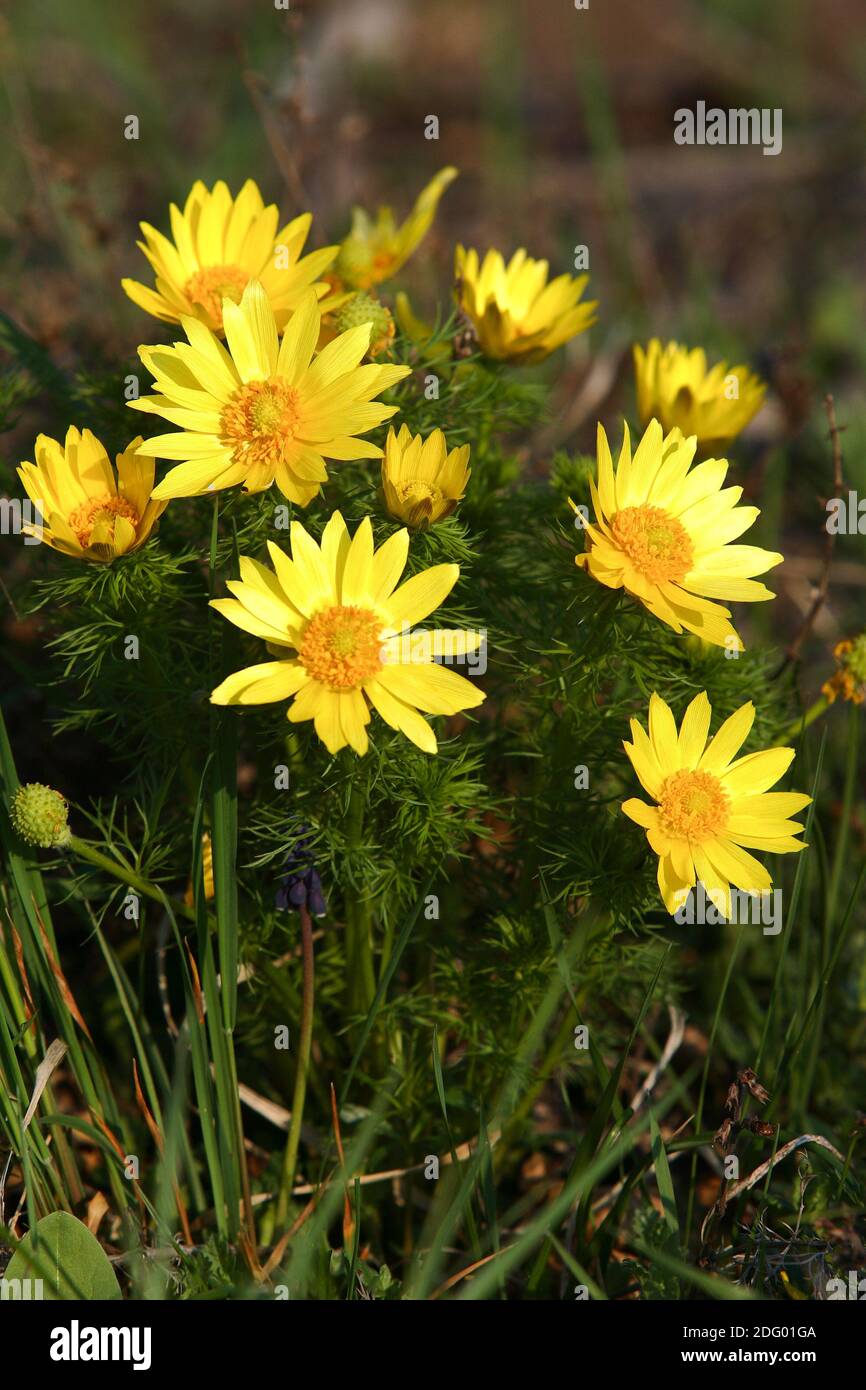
(365, 308)
(40, 815)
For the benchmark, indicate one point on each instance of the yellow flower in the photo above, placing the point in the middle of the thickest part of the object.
(422, 481)
(220, 244)
(849, 679)
(515, 311)
(711, 806)
(87, 511)
(342, 630)
(373, 251)
(674, 386)
(261, 410)
(662, 532)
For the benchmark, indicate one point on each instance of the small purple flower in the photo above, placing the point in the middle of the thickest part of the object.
(301, 885)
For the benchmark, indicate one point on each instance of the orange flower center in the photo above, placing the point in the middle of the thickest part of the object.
(693, 805)
(260, 420)
(208, 288)
(657, 544)
(342, 647)
(85, 517)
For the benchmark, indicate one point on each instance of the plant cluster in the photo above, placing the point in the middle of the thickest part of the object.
(406, 750)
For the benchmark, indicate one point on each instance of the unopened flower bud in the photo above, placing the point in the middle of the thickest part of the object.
(40, 815)
(365, 308)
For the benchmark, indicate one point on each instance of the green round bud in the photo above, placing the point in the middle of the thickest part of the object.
(40, 815)
(365, 308)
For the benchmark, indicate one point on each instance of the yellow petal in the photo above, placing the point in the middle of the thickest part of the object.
(388, 565)
(260, 685)
(299, 339)
(340, 356)
(135, 476)
(358, 566)
(663, 733)
(267, 606)
(717, 887)
(732, 862)
(426, 644)
(243, 346)
(642, 814)
(672, 887)
(421, 595)
(757, 771)
(236, 613)
(292, 580)
(771, 805)
(191, 479)
(643, 759)
(182, 446)
(694, 730)
(728, 740)
(257, 310)
(682, 862)
(327, 721)
(431, 688)
(401, 716)
(354, 717)
(310, 563)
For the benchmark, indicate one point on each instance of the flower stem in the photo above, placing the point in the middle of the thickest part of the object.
(290, 1161)
(359, 948)
(125, 874)
(803, 721)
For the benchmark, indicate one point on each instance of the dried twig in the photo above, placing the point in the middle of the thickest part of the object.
(675, 1037)
(763, 1168)
(462, 1273)
(55, 1054)
(272, 125)
(594, 389)
(726, 1136)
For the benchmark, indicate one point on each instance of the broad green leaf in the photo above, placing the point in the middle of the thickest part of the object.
(67, 1258)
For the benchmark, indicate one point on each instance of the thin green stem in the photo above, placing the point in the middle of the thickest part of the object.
(841, 847)
(699, 1113)
(124, 874)
(843, 1176)
(290, 1161)
(802, 722)
(359, 946)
